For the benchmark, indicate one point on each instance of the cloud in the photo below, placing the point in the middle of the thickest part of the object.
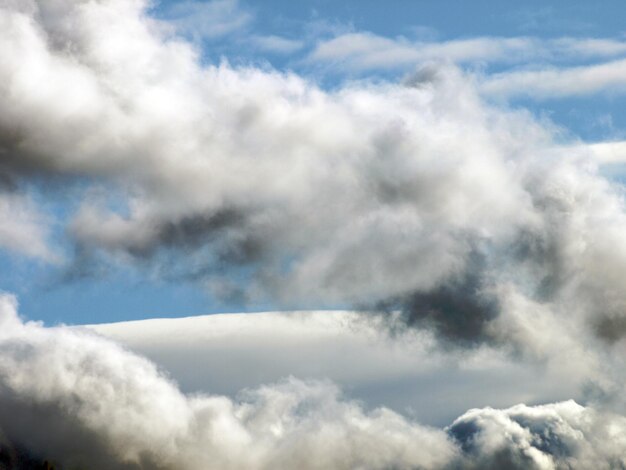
(353, 350)
(561, 435)
(23, 229)
(418, 196)
(605, 153)
(569, 72)
(79, 400)
(361, 51)
(419, 200)
(202, 20)
(559, 82)
(76, 399)
(277, 44)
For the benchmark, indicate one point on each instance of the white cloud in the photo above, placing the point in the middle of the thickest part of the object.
(277, 44)
(561, 435)
(355, 351)
(559, 82)
(24, 229)
(368, 51)
(467, 218)
(208, 19)
(363, 51)
(605, 153)
(400, 194)
(550, 68)
(77, 399)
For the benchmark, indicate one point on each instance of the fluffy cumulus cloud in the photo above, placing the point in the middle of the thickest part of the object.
(78, 400)
(417, 199)
(560, 435)
(207, 20)
(419, 196)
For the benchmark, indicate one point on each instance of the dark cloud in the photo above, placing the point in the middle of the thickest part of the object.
(421, 197)
(73, 398)
(561, 435)
(459, 310)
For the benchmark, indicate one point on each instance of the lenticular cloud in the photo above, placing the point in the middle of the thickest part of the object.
(80, 401)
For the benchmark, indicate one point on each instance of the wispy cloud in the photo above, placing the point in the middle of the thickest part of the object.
(277, 44)
(559, 82)
(421, 202)
(367, 51)
(609, 152)
(77, 399)
(24, 228)
(207, 19)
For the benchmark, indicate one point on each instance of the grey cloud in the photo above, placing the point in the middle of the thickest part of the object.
(459, 310)
(559, 82)
(467, 217)
(203, 20)
(23, 229)
(359, 51)
(561, 435)
(366, 195)
(79, 400)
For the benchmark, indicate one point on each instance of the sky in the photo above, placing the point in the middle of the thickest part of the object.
(312, 234)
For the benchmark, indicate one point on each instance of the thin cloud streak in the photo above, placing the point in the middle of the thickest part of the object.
(554, 83)
(207, 20)
(367, 51)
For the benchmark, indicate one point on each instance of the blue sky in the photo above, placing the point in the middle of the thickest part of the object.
(332, 44)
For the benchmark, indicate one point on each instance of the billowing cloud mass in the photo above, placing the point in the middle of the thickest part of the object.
(471, 220)
(79, 401)
(416, 200)
(418, 196)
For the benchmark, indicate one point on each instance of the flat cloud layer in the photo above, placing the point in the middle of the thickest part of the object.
(409, 372)
(77, 399)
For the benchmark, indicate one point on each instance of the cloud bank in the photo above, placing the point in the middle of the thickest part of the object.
(408, 372)
(76, 399)
(363, 50)
(421, 197)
